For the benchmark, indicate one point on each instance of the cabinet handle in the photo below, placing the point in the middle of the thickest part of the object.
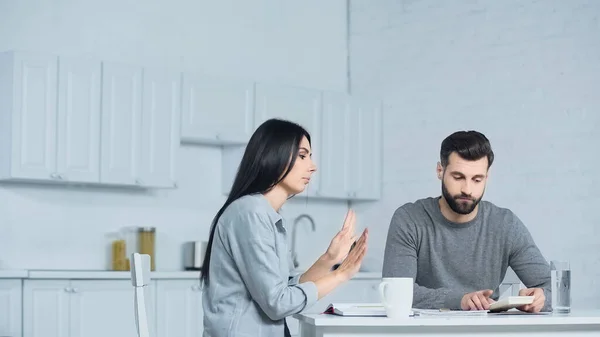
(195, 288)
(61, 177)
(67, 290)
(53, 175)
(138, 182)
(218, 136)
(75, 290)
(175, 184)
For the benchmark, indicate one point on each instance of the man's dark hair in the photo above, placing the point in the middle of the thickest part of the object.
(469, 145)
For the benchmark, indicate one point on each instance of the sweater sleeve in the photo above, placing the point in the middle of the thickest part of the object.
(528, 262)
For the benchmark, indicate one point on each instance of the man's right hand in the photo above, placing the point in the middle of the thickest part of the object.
(478, 300)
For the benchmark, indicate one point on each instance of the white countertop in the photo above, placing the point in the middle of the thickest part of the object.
(92, 274)
(591, 317)
(13, 273)
(115, 275)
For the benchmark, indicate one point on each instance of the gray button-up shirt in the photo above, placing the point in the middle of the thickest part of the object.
(248, 292)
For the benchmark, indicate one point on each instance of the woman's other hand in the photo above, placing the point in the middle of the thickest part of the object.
(351, 265)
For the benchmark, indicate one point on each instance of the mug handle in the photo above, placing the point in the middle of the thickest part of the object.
(382, 287)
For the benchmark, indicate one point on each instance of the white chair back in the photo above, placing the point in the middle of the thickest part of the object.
(140, 278)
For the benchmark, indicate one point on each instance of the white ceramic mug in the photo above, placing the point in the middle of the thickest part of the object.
(396, 295)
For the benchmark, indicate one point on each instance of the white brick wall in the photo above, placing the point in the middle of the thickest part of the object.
(526, 73)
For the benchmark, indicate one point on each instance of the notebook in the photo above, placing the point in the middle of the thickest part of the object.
(510, 303)
(356, 309)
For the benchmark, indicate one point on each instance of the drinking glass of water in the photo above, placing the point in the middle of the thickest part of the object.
(561, 287)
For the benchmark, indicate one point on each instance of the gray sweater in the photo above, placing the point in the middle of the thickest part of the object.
(448, 260)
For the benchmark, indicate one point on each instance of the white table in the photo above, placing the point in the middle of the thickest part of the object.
(584, 323)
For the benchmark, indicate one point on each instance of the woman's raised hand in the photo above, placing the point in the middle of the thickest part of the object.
(340, 244)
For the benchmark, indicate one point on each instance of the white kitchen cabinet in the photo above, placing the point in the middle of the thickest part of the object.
(179, 308)
(80, 308)
(46, 308)
(297, 104)
(216, 110)
(160, 130)
(140, 126)
(336, 160)
(10, 307)
(121, 124)
(79, 120)
(366, 140)
(78, 124)
(347, 140)
(351, 148)
(28, 110)
(50, 111)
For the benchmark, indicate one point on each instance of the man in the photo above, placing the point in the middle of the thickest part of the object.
(456, 247)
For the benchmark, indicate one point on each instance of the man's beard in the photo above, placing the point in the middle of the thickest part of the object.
(460, 206)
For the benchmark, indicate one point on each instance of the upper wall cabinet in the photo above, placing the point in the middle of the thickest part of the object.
(351, 148)
(79, 120)
(346, 134)
(140, 125)
(121, 123)
(216, 111)
(50, 118)
(160, 130)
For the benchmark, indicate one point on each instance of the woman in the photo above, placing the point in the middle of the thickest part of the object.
(247, 288)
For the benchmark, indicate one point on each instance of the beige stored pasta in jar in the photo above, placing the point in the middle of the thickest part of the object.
(146, 239)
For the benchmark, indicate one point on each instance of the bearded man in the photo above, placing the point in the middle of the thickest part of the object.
(456, 247)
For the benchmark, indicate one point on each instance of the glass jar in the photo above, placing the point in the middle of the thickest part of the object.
(146, 242)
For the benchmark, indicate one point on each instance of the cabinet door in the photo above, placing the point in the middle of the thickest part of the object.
(336, 152)
(46, 308)
(78, 149)
(121, 123)
(160, 129)
(103, 308)
(34, 113)
(179, 308)
(10, 308)
(299, 105)
(366, 145)
(217, 110)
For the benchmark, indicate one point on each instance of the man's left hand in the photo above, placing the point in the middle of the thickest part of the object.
(539, 299)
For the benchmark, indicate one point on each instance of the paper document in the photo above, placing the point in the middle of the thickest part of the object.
(356, 309)
(446, 312)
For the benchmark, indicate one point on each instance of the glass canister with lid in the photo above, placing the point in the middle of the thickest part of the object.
(147, 244)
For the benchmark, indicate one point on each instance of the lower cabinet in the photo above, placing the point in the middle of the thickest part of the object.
(100, 308)
(10, 307)
(179, 308)
(79, 308)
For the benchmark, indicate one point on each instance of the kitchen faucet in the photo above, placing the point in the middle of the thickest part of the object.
(296, 221)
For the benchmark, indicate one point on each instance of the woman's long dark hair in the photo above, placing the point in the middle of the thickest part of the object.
(268, 158)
